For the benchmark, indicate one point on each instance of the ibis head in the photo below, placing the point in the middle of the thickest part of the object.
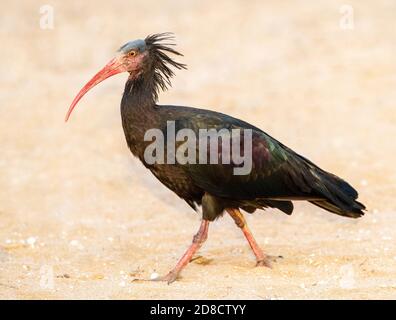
(138, 57)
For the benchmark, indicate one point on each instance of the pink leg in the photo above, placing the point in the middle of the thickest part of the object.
(262, 259)
(197, 242)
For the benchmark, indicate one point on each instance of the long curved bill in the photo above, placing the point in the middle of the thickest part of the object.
(112, 68)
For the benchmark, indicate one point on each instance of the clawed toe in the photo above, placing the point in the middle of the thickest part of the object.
(264, 263)
(267, 261)
(169, 278)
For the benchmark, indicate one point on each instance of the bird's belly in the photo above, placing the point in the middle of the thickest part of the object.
(175, 178)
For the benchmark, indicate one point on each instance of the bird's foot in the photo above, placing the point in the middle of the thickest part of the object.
(267, 261)
(264, 263)
(169, 278)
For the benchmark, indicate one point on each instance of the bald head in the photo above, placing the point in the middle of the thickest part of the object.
(138, 45)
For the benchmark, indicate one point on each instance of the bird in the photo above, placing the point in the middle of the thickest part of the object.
(278, 175)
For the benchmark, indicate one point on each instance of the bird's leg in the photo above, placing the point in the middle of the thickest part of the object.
(197, 242)
(262, 259)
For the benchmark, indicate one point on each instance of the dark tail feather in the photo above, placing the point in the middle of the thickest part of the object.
(339, 196)
(284, 206)
(356, 213)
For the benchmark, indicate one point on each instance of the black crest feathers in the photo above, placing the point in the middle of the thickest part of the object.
(160, 45)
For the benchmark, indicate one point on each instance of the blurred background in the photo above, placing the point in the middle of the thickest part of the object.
(81, 218)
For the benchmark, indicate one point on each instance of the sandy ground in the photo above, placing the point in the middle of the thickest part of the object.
(81, 218)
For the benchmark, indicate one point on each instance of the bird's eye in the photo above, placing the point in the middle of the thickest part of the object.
(132, 53)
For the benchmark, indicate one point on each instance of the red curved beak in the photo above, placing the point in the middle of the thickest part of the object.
(112, 68)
